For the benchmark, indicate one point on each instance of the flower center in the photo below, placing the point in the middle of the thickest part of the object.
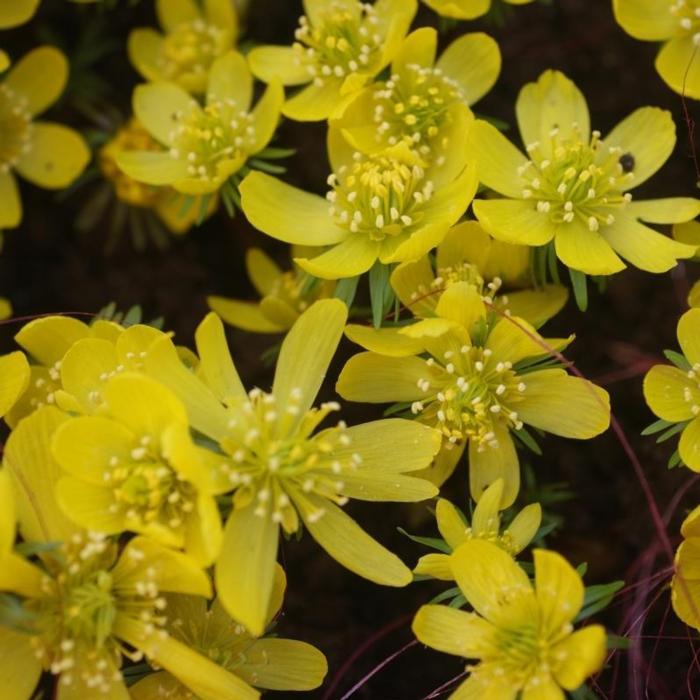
(131, 137)
(472, 393)
(292, 288)
(378, 195)
(413, 106)
(191, 48)
(147, 490)
(207, 136)
(344, 42)
(15, 128)
(273, 455)
(687, 12)
(578, 179)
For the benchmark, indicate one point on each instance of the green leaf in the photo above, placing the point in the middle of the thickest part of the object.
(679, 427)
(674, 460)
(345, 290)
(445, 595)
(133, 316)
(432, 542)
(582, 568)
(187, 203)
(271, 153)
(526, 439)
(580, 288)
(615, 641)
(657, 427)
(15, 616)
(395, 408)
(204, 201)
(552, 263)
(598, 598)
(678, 360)
(381, 294)
(458, 601)
(258, 164)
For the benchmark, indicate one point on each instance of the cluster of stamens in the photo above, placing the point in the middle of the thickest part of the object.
(378, 195)
(687, 12)
(272, 452)
(290, 287)
(345, 41)
(691, 392)
(206, 136)
(413, 107)
(578, 179)
(191, 48)
(74, 618)
(472, 394)
(147, 489)
(16, 128)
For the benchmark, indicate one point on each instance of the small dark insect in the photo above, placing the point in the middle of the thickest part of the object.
(627, 162)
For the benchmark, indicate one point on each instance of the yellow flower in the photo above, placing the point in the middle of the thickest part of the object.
(14, 379)
(421, 94)
(465, 9)
(17, 12)
(134, 467)
(388, 206)
(467, 254)
(673, 393)
(479, 384)
(685, 585)
(282, 473)
(271, 663)
(485, 525)
(285, 295)
(202, 146)
(194, 39)
(46, 154)
(341, 45)
(521, 635)
(164, 201)
(572, 188)
(675, 23)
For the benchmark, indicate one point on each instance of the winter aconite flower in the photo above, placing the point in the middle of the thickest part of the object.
(14, 378)
(194, 38)
(89, 605)
(466, 9)
(46, 154)
(418, 99)
(673, 393)
(479, 383)
(341, 45)
(676, 23)
(685, 585)
(17, 12)
(285, 295)
(389, 206)
(521, 635)
(485, 525)
(135, 468)
(281, 472)
(572, 189)
(268, 662)
(202, 146)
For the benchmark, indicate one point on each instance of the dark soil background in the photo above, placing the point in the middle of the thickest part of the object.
(47, 266)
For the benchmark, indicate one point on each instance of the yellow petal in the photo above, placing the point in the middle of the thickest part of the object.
(443, 465)
(89, 506)
(664, 391)
(315, 102)
(480, 688)
(495, 463)
(587, 251)
(553, 101)
(222, 13)
(246, 565)
(559, 590)
(366, 485)
(266, 115)
(373, 378)
(649, 20)
(48, 339)
(301, 369)
(34, 472)
(384, 341)
(263, 271)
(454, 631)
(536, 306)
(83, 370)
(689, 445)
(564, 405)
(677, 63)
(515, 221)
(14, 379)
(156, 106)
(474, 62)
(20, 669)
(351, 257)
(172, 13)
(434, 565)
(688, 333)
(486, 518)
(40, 77)
(270, 62)
(413, 281)
(691, 525)
(288, 213)
(348, 543)
(524, 527)
(203, 532)
(461, 303)
(57, 157)
(513, 339)
(459, 9)
(216, 364)
(418, 48)
(451, 524)
(649, 135)
(583, 654)
(278, 311)
(644, 247)
(671, 210)
(230, 79)
(144, 48)
(243, 314)
(10, 202)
